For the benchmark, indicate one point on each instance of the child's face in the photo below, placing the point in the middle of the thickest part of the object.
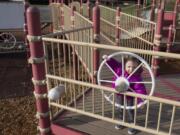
(130, 66)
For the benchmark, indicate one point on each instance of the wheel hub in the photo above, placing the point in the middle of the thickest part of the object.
(121, 84)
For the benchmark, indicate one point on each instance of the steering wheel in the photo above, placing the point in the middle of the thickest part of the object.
(122, 83)
(7, 41)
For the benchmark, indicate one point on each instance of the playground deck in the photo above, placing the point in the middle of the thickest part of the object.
(83, 99)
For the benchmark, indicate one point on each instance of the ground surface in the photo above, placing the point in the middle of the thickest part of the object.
(17, 104)
(17, 116)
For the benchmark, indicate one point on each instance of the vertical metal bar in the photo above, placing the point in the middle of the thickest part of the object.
(69, 59)
(53, 60)
(83, 100)
(58, 53)
(74, 88)
(102, 102)
(82, 69)
(113, 107)
(47, 72)
(59, 59)
(64, 61)
(135, 111)
(65, 64)
(159, 117)
(147, 114)
(172, 119)
(93, 107)
(93, 81)
(89, 53)
(124, 109)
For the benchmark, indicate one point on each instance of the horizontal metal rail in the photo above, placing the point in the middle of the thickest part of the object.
(67, 31)
(115, 48)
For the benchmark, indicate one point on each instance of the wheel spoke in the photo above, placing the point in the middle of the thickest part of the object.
(122, 59)
(135, 70)
(142, 82)
(12, 39)
(111, 69)
(108, 81)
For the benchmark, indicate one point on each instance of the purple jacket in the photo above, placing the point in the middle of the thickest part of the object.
(136, 77)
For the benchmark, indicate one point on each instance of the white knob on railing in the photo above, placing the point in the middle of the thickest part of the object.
(56, 92)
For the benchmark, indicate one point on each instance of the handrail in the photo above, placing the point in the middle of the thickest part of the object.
(108, 89)
(116, 48)
(67, 31)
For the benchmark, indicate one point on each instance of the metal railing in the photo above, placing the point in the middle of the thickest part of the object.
(134, 32)
(153, 114)
(129, 24)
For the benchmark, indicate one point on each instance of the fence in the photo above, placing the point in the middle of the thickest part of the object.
(96, 106)
(133, 32)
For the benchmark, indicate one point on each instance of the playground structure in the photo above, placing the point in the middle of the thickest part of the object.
(72, 55)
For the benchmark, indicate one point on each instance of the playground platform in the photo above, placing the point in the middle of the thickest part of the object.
(73, 62)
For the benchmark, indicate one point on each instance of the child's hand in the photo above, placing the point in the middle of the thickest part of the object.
(105, 57)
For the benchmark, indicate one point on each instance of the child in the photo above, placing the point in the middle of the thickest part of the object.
(130, 66)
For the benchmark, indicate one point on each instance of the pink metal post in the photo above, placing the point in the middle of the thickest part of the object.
(96, 29)
(26, 5)
(158, 36)
(38, 69)
(118, 12)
